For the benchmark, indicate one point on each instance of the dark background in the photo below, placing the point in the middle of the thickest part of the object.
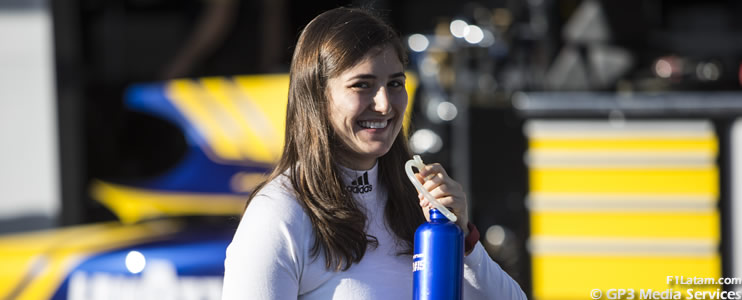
(104, 46)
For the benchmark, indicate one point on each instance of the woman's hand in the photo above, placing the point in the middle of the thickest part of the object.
(447, 191)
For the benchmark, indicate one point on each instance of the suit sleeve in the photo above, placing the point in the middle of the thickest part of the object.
(484, 279)
(264, 260)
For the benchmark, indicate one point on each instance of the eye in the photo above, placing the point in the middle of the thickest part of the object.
(361, 85)
(396, 83)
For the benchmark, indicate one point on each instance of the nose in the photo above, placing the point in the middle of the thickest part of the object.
(381, 101)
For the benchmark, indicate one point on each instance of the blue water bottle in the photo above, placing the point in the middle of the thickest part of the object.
(438, 258)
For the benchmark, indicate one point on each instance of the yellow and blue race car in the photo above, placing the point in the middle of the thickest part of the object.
(172, 231)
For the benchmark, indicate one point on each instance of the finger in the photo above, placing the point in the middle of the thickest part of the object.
(452, 204)
(428, 170)
(433, 169)
(440, 169)
(447, 201)
(422, 178)
(441, 191)
(435, 181)
(419, 178)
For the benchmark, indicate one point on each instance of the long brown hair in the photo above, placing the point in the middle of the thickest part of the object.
(330, 44)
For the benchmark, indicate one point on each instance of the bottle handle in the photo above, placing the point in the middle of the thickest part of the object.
(417, 162)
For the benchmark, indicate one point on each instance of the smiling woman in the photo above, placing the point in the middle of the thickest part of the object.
(337, 216)
(367, 104)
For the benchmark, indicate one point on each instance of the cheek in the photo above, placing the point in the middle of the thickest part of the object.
(339, 119)
(336, 110)
(401, 103)
(344, 113)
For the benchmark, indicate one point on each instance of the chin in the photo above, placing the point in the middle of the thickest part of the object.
(377, 151)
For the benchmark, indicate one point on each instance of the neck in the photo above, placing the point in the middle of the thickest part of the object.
(357, 164)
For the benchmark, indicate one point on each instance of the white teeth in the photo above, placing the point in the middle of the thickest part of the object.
(373, 124)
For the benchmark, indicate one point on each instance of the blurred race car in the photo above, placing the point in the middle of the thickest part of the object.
(173, 230)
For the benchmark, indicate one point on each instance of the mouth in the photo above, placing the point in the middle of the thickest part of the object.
(373, 124)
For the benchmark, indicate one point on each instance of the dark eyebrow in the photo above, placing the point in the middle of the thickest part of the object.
(371, 76)
(363, 76)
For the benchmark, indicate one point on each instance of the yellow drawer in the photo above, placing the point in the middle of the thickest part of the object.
(573, 277)
(627, 224)
(693, 181)
(706, 145)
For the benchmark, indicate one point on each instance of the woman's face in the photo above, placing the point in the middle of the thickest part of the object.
(367, 104)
